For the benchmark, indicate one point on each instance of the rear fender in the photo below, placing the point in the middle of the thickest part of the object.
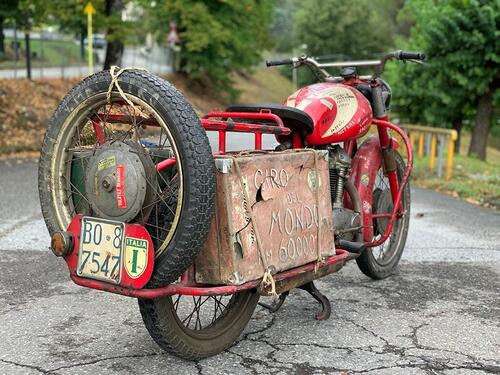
(365, 164)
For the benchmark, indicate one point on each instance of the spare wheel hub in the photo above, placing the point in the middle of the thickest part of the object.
(120, 182)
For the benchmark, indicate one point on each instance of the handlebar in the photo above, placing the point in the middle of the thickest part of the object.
(409, 55)
(377, 64)
(278, 62)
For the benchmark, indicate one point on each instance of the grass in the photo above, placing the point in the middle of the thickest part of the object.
(473, 180)
(55, 53)
(263, 86)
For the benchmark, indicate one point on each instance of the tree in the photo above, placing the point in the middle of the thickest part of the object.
(282, 25)
(354, 29)
(115, 33)
(461, 39)
(343, 30)
(8, 9)
(69, 16)
(217, 36)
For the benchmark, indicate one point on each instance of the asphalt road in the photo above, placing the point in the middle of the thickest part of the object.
(156, 61)
(440, 314)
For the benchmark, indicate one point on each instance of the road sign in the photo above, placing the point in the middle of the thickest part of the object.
(173, 37)
(89, 10)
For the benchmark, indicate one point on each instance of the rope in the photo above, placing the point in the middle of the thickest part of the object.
(319, 258)
(114, 83)
(267, 279)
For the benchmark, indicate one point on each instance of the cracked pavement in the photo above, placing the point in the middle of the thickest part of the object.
(440, 314)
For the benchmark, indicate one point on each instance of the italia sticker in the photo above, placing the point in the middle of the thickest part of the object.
(136, 256)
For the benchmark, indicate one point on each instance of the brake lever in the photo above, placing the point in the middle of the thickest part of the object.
(417, 61)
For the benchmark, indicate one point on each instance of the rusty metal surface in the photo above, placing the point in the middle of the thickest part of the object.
(283, 190)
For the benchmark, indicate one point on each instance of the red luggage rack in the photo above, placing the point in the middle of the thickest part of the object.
(223, 122)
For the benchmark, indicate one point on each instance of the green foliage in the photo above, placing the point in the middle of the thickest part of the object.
(68, 15)
(461, 40)
(353, 29)
(342, 30)
(218, 36)
(8, 8)
(282, 25)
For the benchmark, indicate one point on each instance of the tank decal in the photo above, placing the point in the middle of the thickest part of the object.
(303, 104)
(291, 99)
(326, 103)
(347, 105)
(338, 111)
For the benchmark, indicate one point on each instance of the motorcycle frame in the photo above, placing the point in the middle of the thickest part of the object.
(372, 153)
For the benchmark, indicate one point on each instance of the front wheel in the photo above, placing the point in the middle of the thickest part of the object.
(197, 327)
(381, 261)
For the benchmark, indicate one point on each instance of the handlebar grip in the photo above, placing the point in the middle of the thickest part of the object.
(410, 55)
(278, 62)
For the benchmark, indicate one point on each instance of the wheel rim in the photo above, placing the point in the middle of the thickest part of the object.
(382, 203)
(79, 138)
(203, 317)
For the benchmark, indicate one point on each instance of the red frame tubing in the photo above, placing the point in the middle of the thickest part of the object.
(223, 122)
(385, 143)
(203, 290)
(366, 163)
(212, 121)
(404, 179)
(99, 131)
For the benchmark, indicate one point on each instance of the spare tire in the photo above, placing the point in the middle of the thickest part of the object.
(160, 116)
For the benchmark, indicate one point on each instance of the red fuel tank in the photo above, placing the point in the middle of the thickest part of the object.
(339, 112)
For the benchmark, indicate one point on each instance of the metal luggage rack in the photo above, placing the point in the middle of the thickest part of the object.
(223, 122)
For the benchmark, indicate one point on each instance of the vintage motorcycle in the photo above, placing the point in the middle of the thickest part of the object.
(138, 204)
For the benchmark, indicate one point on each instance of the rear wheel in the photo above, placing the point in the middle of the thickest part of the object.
(197, 327)
(380, 262)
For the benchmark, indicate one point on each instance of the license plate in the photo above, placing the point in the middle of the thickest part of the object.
(101, 249)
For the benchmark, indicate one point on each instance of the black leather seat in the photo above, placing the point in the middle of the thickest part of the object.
(293, 118)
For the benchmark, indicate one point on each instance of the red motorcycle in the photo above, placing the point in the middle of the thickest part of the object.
(138, 204)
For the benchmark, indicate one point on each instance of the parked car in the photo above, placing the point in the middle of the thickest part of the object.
(98, 41)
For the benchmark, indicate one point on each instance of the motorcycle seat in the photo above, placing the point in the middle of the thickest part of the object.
(292, 118)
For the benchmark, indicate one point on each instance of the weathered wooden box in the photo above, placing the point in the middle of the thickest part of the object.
(289, 195)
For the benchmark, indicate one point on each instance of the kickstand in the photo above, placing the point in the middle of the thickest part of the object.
(326, 308)
(275, 306)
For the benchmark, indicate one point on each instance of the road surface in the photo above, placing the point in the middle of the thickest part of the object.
(440, 314)
(156, 60)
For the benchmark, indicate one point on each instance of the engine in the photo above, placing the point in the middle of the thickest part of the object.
(346, 222)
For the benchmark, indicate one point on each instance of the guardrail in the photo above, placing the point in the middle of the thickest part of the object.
(431, 138)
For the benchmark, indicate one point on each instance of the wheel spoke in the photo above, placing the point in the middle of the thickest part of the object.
(104, 124)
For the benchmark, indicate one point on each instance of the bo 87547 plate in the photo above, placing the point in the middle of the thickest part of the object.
(101, 249)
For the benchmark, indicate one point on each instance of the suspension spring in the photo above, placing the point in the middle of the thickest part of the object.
(339, 191)
(334, 177)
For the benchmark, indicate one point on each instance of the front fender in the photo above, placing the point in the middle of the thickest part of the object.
(366, 162)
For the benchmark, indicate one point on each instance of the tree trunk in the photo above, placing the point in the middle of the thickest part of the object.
(481, 128)
(28, 54)
(457, 125)
(114, 48)
(2, 39)
(82, 44)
